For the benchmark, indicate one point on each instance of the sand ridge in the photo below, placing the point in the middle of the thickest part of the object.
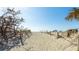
(44, 42)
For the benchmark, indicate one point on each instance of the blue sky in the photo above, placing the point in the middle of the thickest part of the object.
(47, 18)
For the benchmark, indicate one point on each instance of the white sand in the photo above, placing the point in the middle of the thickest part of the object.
(44, 42)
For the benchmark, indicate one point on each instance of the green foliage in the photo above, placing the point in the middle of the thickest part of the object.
(73, 15)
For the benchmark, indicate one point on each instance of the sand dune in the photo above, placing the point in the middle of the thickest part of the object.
(44, 42)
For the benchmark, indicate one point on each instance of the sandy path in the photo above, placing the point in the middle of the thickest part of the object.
(44, 42)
